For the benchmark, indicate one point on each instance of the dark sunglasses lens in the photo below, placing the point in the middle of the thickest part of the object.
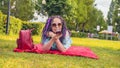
(54, 25)
(59, 24)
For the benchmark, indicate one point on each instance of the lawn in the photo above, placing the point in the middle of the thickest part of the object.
(108, 52)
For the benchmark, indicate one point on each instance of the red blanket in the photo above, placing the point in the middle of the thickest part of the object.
(72, 51)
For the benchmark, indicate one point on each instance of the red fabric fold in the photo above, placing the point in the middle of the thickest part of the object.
(72, 51)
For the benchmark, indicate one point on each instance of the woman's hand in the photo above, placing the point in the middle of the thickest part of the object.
(51, 34)
(54, 36)
(58, 36)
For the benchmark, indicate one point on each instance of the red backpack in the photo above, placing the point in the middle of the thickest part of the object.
(25, 41)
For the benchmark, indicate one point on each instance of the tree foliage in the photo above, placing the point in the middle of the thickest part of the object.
(81, 14)
(4, 6)
(85, 15)
(113, 15)
(22, 9)
(57, 7)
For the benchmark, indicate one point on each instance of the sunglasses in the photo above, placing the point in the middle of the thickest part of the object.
(59, 25)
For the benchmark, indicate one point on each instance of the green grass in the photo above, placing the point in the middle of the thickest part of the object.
(108, 52)
(115, 45)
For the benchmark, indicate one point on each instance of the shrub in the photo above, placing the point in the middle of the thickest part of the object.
(37, 27)
(71, 26)
(2, 23)
(15, 25)
(79, 34)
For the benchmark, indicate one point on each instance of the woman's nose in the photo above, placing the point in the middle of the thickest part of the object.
(56, 26)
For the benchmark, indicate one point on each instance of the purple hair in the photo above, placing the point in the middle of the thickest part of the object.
(48, 28)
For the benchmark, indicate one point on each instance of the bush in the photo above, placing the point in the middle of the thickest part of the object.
(2, 23)
(16, 25)
(71, 26)
(79, 34)
(37, 27)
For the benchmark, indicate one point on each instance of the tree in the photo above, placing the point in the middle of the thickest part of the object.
(82, 13)
(22, 9)
(54, 7)
(89, 18)
(113, 15)
(4, 6)
(85, 15)
(77, 13)
(110, 13)
(116, 16)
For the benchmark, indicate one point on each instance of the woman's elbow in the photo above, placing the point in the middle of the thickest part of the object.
(45, 49)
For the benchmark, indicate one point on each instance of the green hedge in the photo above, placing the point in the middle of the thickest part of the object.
(37, 27)
(78, 34)
(2, 23)
(16, 25)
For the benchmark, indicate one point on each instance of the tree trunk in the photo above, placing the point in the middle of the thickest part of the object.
(83, 25)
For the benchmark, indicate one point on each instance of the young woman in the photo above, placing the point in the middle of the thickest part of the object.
(55, 35)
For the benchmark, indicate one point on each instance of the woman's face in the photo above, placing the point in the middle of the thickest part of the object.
(56, 25)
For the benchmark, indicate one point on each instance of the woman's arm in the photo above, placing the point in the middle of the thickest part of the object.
(54, 38)
(47, 46)
(63, 46)
(60, 46)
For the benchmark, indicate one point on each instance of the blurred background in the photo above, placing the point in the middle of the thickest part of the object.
(91, 18)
